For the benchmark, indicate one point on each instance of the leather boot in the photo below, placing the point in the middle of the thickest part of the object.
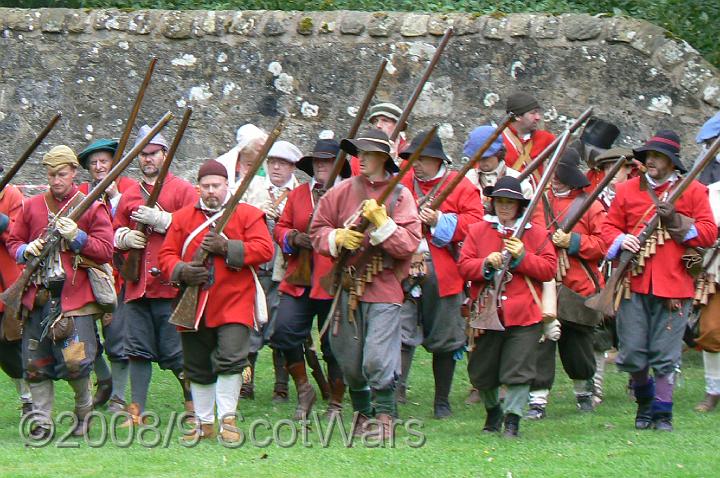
(280, 391)
(512, 426)
(406, 357)
(229, 432)
(337, 393)
(103, 392)
(305, 391)
(443, 370)
(709, 403)
(200, 432)
(662, 415)
(473, 397)
(493, 420)
(247, 391)
(82, 426)
(644, 396)
(385, 426)
(190, 416)
(134, 420)
(359, 424)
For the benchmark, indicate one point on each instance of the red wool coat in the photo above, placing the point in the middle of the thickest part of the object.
(95, 223)
(123, 184)
(465, 201)
(664, 274)
(176, 193)
(231, 298)
(541, 139)
(296, 216)
(539, 264)
(341, 202)
(11, 204)
(587, 243)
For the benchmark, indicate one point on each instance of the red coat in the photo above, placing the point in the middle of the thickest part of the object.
(539, 264)
(664, 274)
(123, 184)
(296, 216)
(587, 243)
(32, 223)
(466, 203)
(341, 202)
(231, 298)
(540, 138)
(176, 193)
(11, 204)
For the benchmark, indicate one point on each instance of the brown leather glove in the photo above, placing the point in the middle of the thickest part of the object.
(300, 240)
(215, 244)
(668, 215)
(193, 273)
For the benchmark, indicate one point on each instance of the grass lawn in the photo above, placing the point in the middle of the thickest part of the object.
(565, 444)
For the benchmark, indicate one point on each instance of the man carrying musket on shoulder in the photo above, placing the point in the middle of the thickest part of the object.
(506, 357)
(59, 307)
(148, 301)
(434, 289)
(656, 301)
(580, 251)
(367, 340)
(216, 354)
(298, 304)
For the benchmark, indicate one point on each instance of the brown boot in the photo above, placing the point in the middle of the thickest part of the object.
(709, 403)
(134, 411)
(200, 432)
(82, 426)
(190, 417)
(305, 391)
(474, 397)
(360, 425)
(229, 432)
(385, 431)
(337, 392)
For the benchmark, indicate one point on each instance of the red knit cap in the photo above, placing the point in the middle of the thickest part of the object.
(212, 168)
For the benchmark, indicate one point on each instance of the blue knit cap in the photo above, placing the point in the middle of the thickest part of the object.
(477, 138)
(711, 129)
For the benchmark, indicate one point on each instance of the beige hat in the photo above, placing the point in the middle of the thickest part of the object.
(60, 156)
(612, 155)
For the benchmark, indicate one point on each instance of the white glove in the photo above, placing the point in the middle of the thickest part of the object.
(126, 238)
(551, 331)
(67, 228)
(153, 217)
(34, 248)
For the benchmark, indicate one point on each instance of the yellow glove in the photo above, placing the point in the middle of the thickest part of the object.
(348, 239)
(562, 239)
(495, 260)
(515, 247)
(375, 213)
(34, 248)
(67, 228)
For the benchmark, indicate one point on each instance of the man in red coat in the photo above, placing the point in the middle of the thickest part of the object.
(216, 354)
(97, 158)
(11, 206)
(300, 304)
(504, 352)
(523, 140)
(580, 250)
(366, 340)
(384, 116)
(434, 290)
(62, 288)
(651, 323)
(150, 338)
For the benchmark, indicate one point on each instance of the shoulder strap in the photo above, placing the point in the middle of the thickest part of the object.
(199, 229)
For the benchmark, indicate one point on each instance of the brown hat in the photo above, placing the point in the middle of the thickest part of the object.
(212, 168)
(60, 156)
(612, 155)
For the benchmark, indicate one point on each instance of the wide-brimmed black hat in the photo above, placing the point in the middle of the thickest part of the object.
(372, 140)
(323, 149)
(600, 133)
(434, 148)
(568, 171)
(507, 187)
(665, 142)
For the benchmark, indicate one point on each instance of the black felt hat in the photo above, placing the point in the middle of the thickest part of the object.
(507, 187)
(434, 148)
(568, 171)
(323, 149)
(600, 133)
(665, 142)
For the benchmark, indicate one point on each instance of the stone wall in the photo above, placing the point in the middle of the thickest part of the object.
(247, 66)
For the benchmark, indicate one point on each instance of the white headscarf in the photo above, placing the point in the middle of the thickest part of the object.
(246, 134)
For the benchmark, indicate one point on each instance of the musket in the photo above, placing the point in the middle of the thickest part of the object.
(12, 296)
(605, 301)
(130, 270)
(421, 84)
(122, 143)
(28, 152)
(499, 278)
(186, 314)
(331, 281)
(301, 276)
(437, 201)
(316, 369)
(540, 158)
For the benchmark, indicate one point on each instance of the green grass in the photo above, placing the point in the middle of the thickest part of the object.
(565, 444)
(692, 20)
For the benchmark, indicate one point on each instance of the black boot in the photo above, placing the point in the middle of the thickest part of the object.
(662, 416)
(103, 392)
(512, 426)
(280, 391)
(406, 357)
(644, 396)
(493, 420)
(443, 370)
